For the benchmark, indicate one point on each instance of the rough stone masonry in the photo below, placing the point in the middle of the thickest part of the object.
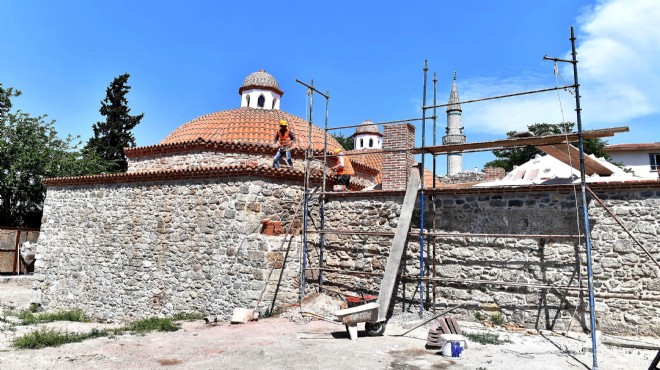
(134, 250)
(535, 281)
(129, 251)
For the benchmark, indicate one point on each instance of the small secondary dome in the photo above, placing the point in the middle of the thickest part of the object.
(368, 127)
(260, 80)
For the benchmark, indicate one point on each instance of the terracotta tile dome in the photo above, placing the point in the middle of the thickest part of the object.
(248, 125)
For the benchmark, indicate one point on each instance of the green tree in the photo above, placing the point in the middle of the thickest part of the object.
(508, 158)
(112, 136)
(346, 142)
(5, 99)
(30, 151)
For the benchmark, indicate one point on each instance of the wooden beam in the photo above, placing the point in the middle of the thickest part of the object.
(398, 245)
(516, 142)
(570, 155)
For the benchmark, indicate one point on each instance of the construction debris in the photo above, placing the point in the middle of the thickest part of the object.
(243, 315)
(317, 303)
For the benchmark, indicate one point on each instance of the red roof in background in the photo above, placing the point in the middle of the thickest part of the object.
(370, 158)
(248, 125)
(631, 147)
(373, 158)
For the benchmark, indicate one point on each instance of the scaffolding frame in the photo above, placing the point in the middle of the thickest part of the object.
(435, 150)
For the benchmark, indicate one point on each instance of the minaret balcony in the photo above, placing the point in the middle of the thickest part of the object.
(453, 139)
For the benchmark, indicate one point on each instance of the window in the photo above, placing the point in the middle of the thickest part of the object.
(261, 101)
(361, 143)
(274, 101)
(247, 99)
(654, 158)
(371, 143)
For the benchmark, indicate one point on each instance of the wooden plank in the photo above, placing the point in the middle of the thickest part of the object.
(443, 326)
(570, 155)
(7, 258)
(457, 328)
(398, 244)
(515, 142)
(636, 345)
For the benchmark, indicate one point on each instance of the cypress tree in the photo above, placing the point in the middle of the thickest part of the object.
(112, 136)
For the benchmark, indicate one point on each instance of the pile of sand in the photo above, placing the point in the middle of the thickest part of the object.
(316, 303)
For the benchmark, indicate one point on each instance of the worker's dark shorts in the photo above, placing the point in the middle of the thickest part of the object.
(343, 179)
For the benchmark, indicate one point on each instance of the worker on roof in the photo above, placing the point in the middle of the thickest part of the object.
(286, 140)
(343, 169)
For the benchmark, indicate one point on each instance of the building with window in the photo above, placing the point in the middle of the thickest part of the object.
(642, 158)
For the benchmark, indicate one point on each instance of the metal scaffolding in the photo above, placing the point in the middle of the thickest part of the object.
(429, 275)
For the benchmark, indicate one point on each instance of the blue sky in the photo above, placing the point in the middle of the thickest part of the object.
(189, 58)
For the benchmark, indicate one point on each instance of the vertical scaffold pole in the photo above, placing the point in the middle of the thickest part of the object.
(421, 221)
(306, 215)
(435, 118)
(585, 211)
(325, 162)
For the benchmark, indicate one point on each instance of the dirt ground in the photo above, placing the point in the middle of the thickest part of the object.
(280, 343)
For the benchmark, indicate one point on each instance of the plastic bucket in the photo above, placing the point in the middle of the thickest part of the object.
(454, 345)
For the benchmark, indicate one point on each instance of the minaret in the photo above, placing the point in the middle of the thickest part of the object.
(454, 131)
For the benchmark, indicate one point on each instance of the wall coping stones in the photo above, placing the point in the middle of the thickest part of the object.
(185, 174)
(631, 185)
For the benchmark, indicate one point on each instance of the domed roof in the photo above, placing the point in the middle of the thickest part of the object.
(248, 125)
(260, 79)
(368, 127)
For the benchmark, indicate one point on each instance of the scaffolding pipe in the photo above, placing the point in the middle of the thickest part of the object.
(370, 152)
(311, 87)
(421, 220)
(585, 212)
(323, 197)
(435, 116)
(495, 282)
(507, 95)
(451, 235)
(310, 92)
(568, 288)
(378, 123)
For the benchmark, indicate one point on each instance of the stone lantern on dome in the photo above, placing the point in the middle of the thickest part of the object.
(260, 90)
(367, 136)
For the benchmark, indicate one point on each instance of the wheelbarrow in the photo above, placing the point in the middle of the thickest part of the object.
(366, 313)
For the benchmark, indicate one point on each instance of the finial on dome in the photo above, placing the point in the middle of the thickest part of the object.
(454, 75)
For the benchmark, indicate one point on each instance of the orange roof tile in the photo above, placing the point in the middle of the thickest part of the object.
(373, 159)
(248, 125)
(191, 173)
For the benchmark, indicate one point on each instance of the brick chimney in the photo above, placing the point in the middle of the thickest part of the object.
(397, 164)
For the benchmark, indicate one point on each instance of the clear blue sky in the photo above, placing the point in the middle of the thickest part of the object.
(188, 58)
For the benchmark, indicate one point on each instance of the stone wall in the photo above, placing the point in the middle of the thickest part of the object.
(627, 292)
(208, 159)
(129, 251)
